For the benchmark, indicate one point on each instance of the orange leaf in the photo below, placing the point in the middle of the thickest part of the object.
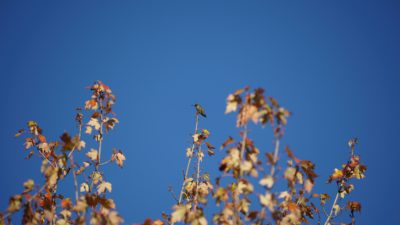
(42, 138)
(66, 203)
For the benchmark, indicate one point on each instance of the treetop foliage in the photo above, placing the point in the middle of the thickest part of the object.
(245, 191)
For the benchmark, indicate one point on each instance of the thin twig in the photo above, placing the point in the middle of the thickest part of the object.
(75, 179)
(100, 133)
(197, 179)
(73, 165)
(41, 153)
(104, 163)
(236, 194)
(172, 193)
(333, 205)
(189, 161)
(275, 159)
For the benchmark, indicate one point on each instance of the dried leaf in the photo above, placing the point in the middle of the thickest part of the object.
(84, 187)
(118, 157)
(267, 181)
(93, 154)
(227, 142)
(101, 188)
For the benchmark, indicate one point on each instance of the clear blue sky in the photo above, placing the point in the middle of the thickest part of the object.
(334, 64)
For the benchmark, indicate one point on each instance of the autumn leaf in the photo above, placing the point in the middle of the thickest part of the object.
(31, 123)
(267, 181)
(227, 142)
(308, 185)
(196, 138)
(94, 123)
(205, 132)
(268, 201)
(29, 142)
(158, 222)
(80, 145)
(14, 203)
(93, 154)
(290, 173)
(323, 198)
(81, 205)
(285, 195)
(28, 185)
(114, 218)
(66, 203)
(118, 157)
(21, 131)
(42, 138)
(110, 123)
(67, 141)
(189, 152)
(337, 174)
(353, 206)
(84, 187)
(232, 104)
(91, 104)
(88, 130)
(96, 177)
(103, 186)
(210, 149)
(179, 213)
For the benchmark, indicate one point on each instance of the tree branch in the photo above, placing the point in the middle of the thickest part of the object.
(189, 161)
(333, 205)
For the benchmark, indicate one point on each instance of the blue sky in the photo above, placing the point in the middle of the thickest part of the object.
(334, 64)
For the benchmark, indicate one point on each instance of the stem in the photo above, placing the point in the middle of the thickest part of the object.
(333, 205)
(100, 142)
(41, 153)
(104, 163)
(236, 194)
(189, 161)
(73, 165)
(101, 134)
(276, 152)
(197, 179)
(172, 193)
(243, 146)
(75, 179)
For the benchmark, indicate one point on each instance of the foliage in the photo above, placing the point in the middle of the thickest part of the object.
(43, 204)
(244, 170)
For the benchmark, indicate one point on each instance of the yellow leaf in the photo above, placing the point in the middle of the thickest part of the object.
(28, 185)
(290, 173)
(96, 177)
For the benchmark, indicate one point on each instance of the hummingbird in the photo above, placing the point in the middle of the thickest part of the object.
(200, 110)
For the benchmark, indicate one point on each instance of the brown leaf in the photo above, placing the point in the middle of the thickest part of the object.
(227, 142)
(21, 131)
